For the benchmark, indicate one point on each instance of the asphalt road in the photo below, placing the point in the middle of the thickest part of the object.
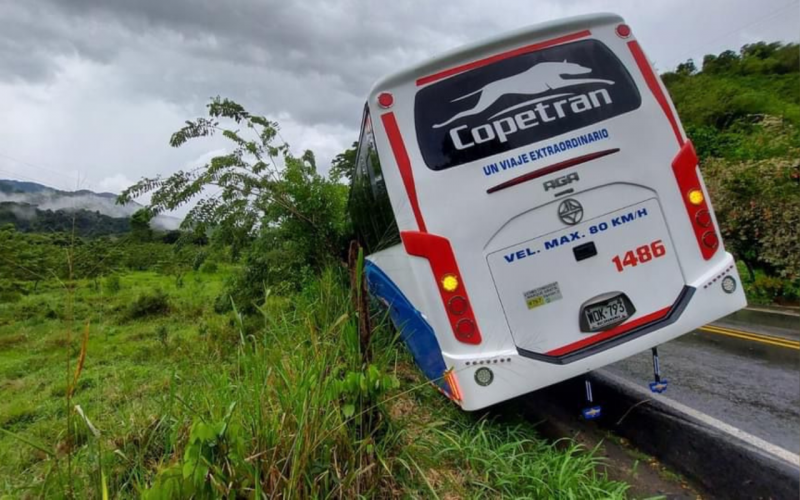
(745, 375)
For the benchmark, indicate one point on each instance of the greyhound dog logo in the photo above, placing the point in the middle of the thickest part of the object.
(537, 79)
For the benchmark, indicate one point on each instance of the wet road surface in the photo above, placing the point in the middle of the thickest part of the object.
(746, 376)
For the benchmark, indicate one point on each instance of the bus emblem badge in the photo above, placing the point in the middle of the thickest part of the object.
(570, 212)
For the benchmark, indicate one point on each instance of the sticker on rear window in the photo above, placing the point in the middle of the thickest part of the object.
(542, 295)
(521, 100)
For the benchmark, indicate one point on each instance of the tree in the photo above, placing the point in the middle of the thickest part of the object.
(725, 62)
(257, 192)
(343, 166)
(140, 225)
(686, 68)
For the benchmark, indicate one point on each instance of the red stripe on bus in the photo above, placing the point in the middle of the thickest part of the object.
(655, 88)
(619, 330)
(439, 253)
(403, 164)
(552, 168)
(503, 55)
(684, 166)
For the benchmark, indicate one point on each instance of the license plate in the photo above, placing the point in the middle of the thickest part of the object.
(606, 313)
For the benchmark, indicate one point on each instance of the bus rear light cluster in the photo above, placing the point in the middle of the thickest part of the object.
(452, 288)
(684, 166)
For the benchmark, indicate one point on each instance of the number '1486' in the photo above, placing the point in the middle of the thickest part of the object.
(641, 255)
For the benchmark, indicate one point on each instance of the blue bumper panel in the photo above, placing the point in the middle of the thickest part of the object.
(414, 330)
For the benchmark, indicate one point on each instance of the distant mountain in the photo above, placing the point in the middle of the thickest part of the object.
(11, 186)
(31, 198)
(29, 219)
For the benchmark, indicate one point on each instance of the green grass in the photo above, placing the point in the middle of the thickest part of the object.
(190, 403)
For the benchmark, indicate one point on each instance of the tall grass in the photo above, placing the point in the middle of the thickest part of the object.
(506, 460)
(284, 404)
(287, 416)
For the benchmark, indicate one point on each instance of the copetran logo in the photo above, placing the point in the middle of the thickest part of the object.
(539, 79)
(521, 100)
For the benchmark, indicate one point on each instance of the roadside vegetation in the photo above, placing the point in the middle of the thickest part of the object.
(228, 359)
(742, 112)
(166, 398)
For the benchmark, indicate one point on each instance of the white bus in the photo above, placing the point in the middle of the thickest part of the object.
(532, 210)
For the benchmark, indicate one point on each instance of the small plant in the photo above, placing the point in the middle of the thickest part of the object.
(363, 385)
(153, 303)
(211, 458)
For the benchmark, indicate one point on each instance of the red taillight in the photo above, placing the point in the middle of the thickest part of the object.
(385, 100)
(703, 217)
(465, 329)
(684, 166)
(623, 31)
(710, 239)
(458, 305)
(452, 288)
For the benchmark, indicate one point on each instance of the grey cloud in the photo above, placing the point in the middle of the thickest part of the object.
(313, 60)
(148, 64)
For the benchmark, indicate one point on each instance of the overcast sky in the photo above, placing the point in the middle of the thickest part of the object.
(91, 90)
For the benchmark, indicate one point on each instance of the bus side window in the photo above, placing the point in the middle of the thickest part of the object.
(384, 222)
(361, 197)
(370, 209)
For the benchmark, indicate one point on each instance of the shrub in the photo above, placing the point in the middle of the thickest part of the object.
(9, 296)
(209, 267)
(113, 284)
(149, 304)
(199, 260)
(758, 208)
(771, 289)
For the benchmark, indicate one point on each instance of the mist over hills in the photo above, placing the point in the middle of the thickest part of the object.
(26, 203)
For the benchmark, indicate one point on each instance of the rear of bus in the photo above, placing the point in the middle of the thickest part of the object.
(552, 214)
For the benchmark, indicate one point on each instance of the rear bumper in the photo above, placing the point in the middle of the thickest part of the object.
(516, 373)
(622, 334)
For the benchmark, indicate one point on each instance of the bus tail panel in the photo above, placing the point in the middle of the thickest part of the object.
(572, 288)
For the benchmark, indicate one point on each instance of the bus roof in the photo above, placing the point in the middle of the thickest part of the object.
(495, 44)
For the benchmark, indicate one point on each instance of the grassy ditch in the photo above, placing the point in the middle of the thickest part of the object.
(173, 400)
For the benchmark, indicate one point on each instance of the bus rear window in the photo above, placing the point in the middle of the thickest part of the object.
(521, 100)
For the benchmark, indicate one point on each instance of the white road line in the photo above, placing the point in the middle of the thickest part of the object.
(792, 313)
(757, 442)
